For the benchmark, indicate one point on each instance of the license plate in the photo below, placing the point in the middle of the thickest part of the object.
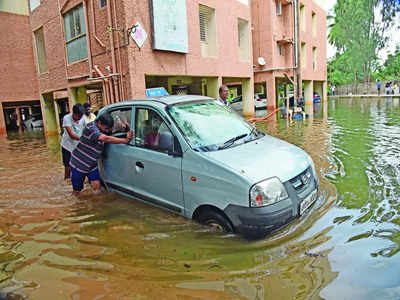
(308, 201)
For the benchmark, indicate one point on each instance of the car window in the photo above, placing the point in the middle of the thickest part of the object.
(122, 121)
(151, 130)
(208, 125)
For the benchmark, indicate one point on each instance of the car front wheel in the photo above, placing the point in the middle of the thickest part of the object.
(216, 221)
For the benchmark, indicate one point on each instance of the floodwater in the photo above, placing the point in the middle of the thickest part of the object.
(106, 246)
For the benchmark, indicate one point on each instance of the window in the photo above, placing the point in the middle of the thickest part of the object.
(33, 4)
(243, 39)
(303, 55)
(102, 3)
(314, 54)
(314, 24)
(280, 50)
(278, 7)
(75, 34)
(208, 33)
(151, 131)
(302, 18)
(40, 51)
(122, 121)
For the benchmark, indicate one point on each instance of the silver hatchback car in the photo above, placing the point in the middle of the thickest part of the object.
(196, 157)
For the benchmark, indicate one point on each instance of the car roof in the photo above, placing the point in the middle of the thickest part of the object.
(166, 100)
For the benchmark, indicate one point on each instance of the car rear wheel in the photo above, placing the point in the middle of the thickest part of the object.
(216, 221)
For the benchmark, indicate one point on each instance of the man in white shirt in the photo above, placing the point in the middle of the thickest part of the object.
(223, 94)
(73, 125)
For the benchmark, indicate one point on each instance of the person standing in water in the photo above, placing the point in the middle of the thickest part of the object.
(73, 125)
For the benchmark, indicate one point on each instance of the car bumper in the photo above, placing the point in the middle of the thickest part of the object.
(256, 222)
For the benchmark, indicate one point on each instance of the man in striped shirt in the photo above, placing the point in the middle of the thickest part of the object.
(83, 161)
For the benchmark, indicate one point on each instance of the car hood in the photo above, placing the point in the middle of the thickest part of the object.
(264, 158)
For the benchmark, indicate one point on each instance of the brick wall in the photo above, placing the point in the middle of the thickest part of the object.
(18, 76)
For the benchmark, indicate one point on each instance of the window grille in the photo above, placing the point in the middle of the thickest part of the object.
(204, 18)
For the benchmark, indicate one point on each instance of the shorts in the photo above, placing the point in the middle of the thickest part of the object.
(66, 156)
(78, 178)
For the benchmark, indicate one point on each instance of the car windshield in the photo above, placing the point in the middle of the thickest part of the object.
(210, 126)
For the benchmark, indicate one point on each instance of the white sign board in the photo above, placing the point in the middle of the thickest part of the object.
(169, 22)
(244, 1)
(139, 35)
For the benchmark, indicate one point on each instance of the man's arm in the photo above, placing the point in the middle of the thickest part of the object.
(71, 133)
(115, 140)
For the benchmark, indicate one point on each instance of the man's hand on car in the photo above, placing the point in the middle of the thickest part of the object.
(129, 135)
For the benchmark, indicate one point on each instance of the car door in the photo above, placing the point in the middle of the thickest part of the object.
(155, 175)
(116, 156)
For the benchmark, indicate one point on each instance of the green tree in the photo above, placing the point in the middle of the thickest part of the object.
(391, 67)
(359, 33)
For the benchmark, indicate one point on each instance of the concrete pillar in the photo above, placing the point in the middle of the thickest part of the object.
(82, 95)
(57, 113)
(308, 92)
(248, 97)
(324, 91)
(72, 98)
(271, 93)
(49, 114)
(3, 129)
(213, 84)
(19, 119)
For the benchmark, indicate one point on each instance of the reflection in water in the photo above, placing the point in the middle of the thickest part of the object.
(105, 246)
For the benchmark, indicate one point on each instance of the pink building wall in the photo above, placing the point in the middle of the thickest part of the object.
(318, 41)
(270, 28)
(135, 63)
(18, 81)
(147, 61)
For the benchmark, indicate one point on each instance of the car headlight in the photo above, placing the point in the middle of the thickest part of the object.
(267, 192)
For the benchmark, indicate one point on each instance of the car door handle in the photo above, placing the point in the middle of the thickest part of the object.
(139, 164)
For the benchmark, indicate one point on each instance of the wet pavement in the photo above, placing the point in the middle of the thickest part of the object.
(106, 246)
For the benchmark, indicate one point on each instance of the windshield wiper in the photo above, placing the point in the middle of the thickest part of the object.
(229, 143)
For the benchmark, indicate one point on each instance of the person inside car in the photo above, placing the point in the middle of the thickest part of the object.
(153, 136)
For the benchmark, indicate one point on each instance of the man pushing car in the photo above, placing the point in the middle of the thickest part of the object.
(84, 157)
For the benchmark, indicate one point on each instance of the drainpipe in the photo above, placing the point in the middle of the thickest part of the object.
(296, 33)
(121, 85)
(63, 33)
(106, 85)
(298, 92)
(111, 36)
(88, 39)
(111, 91)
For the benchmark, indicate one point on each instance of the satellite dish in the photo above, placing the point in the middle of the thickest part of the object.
(261, 61)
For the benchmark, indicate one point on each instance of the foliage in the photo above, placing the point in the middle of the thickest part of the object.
(359, 33)
(391, 67)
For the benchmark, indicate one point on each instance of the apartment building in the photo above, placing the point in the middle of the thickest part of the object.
(105, 51)
(60, 52)
(19, 93)
(274, 39)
